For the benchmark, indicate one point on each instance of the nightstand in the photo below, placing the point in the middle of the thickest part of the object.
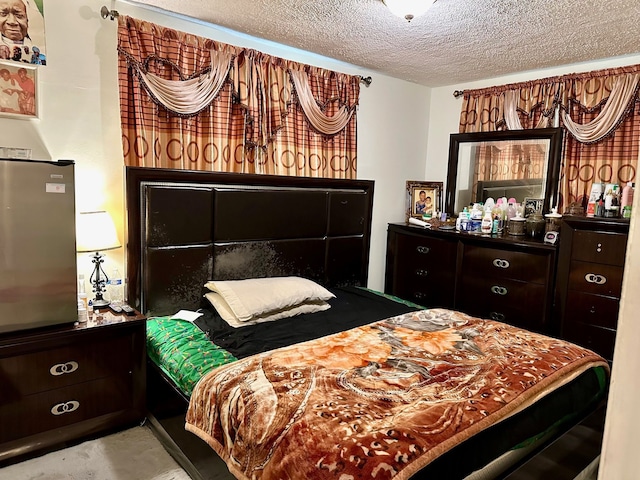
(63, 384)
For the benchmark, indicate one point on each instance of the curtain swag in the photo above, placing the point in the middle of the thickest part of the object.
(321, 122)
(191, 96)
(621, 99)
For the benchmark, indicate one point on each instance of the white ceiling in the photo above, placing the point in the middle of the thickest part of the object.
(456, 41)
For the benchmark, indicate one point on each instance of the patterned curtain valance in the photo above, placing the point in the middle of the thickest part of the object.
(189, 96)
(533, 104)
(190, 102)
(325, 124)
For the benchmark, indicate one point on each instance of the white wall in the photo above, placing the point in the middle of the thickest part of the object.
(80, 120)
(620, 459)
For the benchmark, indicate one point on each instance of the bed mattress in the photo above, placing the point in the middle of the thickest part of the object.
(216, 342)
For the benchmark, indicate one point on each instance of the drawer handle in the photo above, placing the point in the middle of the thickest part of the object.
(592, 310)
(422, 273)
(62, 368)
(497, 316)
(595, 278)
(422, 249)
(499, 290)
(500, 263)
(599, 248)
(419, 295)
(65, 407)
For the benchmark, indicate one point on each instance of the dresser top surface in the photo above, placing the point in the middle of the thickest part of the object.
(474, 237)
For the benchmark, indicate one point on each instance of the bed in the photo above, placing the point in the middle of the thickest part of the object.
(186, 228)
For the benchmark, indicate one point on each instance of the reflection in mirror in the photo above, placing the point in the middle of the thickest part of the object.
(520, 164)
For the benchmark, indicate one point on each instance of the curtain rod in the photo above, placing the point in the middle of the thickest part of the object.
(366, 80)
(113, 14)
(458, 93)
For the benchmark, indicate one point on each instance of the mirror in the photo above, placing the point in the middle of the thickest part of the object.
(520, 164)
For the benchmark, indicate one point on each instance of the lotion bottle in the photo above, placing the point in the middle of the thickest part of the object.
(487, 222)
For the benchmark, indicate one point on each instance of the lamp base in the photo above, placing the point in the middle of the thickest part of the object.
(99, 303)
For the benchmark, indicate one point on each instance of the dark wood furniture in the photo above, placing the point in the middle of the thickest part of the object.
(505, 278)
(188, 227)
(66, 383)
(590, 270)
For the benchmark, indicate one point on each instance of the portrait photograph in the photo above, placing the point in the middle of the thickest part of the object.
(532, 205)
(22, 38)
(18, 90)
(423, 198)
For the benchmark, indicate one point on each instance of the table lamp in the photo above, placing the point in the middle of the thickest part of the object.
(95, 232)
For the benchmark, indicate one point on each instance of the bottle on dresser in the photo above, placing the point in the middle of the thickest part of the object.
(627, 200)
(487, 222)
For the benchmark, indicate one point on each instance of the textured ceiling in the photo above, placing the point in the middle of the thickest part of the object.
(456, 41)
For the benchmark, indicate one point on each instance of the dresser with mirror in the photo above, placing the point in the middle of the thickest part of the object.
(519, 280)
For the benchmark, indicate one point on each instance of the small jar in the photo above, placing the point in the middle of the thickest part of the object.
(535, 225)
(516, 225)
(553, 221)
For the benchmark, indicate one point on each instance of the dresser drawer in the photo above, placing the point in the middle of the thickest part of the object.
(431, 294)
(497, 263)
(599, 247)
(40, 371)
(595, 278)
(592, 309)
(426, 252)
(425, 270)
(600, 340)
(509, 301)
(65, 406)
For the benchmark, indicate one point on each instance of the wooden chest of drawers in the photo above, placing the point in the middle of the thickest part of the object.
(68, 382)
(501, 278)
(507, 284)
(590, 271)
(421, 268)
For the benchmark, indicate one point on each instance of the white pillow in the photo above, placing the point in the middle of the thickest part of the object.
(227, 315)
(256, 297)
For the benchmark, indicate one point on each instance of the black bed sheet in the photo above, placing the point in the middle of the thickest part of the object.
(351, 308)
(354, 307)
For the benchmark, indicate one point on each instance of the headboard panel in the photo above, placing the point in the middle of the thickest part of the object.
(188, 227)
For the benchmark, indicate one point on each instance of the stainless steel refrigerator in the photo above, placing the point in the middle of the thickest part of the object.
(37, 244)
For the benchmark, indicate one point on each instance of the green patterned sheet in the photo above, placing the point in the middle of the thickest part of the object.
(183, 351)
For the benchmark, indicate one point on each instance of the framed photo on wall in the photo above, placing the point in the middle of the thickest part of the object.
(18, 90)
(23, 38)
(423, 198)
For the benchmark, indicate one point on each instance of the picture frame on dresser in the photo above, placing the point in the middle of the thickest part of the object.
(532, 205)
(423, 197)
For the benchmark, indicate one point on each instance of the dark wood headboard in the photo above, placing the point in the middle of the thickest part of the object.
(188, 227)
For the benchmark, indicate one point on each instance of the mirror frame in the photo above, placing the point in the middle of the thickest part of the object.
(554, 135)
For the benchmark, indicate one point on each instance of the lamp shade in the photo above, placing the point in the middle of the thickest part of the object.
(408, 9)
(95, 232)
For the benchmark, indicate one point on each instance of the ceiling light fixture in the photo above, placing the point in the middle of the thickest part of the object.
(408, 9)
